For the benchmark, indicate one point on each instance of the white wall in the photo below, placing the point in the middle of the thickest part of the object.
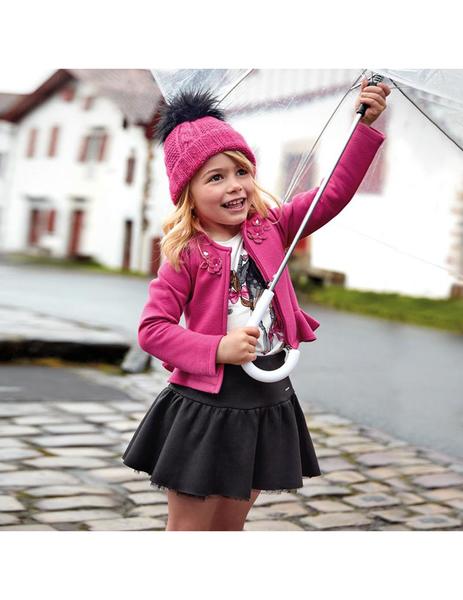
(61, 179)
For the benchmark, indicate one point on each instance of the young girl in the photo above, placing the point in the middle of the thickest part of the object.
(214, 438)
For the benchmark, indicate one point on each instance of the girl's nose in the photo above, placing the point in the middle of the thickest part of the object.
(236, 185)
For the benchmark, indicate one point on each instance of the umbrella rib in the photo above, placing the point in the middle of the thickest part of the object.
(306, 160)
(248, 72)
(427, 116)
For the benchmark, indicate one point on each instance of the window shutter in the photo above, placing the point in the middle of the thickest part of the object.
(31, 143)
(84, 148)
(103, 144)
(53, 141)
(51, 220)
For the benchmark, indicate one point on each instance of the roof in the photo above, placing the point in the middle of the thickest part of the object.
(132, 90)
(7, 100)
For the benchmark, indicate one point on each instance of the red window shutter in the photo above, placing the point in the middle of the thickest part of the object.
(130, 169)
(88, 102)
(84, 148)
(103, 144)
(31, 143)
(68, 94)
(53, 141)
(51, 218)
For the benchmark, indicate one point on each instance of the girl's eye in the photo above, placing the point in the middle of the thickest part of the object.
(242, 171)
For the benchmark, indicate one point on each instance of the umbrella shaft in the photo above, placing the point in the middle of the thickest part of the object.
(276, 277)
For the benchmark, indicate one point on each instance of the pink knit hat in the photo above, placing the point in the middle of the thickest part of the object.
(194, 130)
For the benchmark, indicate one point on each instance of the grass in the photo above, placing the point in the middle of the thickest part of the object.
(446, 314)
(81, 265)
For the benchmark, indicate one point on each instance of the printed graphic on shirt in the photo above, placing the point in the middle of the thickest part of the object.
(246, 287)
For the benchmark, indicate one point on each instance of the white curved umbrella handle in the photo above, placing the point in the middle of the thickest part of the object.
(292, 355)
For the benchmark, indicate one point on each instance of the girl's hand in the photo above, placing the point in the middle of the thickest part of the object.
(375, 97)
(238, 346)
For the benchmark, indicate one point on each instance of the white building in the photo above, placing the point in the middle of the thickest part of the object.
(77, 170)
(401, 233)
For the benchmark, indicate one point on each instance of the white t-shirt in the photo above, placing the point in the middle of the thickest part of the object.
(246, 286)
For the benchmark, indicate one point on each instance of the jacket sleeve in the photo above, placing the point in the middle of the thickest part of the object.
(344, 182)
(159, 333)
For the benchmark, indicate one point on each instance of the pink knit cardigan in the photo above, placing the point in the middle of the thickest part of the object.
(200, 288)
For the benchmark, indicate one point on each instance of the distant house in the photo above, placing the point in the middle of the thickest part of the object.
(77, 183)
(84, 179)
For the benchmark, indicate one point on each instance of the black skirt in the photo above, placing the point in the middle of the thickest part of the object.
(251, 435)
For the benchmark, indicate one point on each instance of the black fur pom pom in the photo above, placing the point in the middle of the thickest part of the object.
(188, 105)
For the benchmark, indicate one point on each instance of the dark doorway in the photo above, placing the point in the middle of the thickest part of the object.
(77, 220)
(34, 227)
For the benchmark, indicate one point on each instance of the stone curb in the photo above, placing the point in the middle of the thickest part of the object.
(28, 334)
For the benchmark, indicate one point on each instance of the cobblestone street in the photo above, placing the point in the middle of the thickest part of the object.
(61, 469)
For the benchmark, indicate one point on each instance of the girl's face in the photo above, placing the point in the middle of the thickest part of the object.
(219, 181)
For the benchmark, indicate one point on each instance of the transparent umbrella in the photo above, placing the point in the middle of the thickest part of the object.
(257, 101)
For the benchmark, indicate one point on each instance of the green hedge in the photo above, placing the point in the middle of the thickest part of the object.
(441, 314)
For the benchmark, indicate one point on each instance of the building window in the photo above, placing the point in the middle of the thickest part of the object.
(130, 168)
(53, 141)
(88, 102)
(93, 146)
(31, 142)
(291, 160)
(68, 93)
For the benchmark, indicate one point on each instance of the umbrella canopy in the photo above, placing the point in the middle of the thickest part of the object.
(295, 121)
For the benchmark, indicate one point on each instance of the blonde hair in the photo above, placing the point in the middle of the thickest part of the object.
(182, 225)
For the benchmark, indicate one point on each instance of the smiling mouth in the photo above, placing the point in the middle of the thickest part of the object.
(234, 205)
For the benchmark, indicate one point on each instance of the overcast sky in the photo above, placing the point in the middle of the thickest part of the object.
(23, 81)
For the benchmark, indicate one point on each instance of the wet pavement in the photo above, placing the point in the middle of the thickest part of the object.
(63, 431)
(403, 379)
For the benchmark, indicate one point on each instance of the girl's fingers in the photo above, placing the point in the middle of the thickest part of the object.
(368, 98)
(373, 92)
